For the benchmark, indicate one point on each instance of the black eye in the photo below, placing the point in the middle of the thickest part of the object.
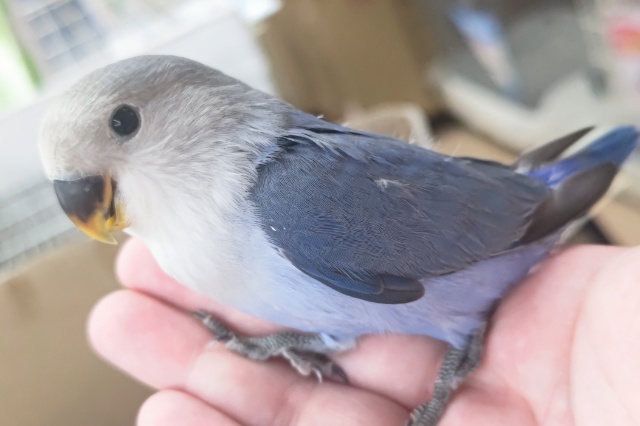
(124, 121)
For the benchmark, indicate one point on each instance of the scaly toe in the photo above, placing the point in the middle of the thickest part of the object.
(215, 327)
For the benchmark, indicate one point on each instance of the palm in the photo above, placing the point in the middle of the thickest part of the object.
(560, 352)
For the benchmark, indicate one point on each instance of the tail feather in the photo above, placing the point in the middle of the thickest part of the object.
(612, 148)
(578, 181)
(545, 154)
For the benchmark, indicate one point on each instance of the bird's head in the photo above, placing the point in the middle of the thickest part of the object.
(130, 133)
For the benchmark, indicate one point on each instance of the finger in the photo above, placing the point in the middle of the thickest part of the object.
(605, 364)
(171, 408)
(163, 348)
(536, 325)
(488, 407)
(402, 368)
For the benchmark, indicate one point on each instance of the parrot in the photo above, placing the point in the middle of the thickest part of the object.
(329, 232)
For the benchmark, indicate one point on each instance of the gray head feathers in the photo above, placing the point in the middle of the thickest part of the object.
(180, 103)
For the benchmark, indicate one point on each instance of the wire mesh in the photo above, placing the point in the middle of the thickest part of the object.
(31, 223)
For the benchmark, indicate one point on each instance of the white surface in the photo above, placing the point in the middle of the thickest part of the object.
(566, 107)
(224, 43)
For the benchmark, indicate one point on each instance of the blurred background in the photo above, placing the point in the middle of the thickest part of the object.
(488, 78)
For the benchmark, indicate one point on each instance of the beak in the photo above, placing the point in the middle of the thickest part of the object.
(92, 206)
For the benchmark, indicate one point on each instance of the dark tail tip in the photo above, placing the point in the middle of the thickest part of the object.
(548, 152)
(570, 200)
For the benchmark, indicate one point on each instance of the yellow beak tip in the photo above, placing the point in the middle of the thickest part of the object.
(108, 239)
(95, 230)
(103, 238)
(92, 206)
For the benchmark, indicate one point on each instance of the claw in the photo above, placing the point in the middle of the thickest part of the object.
(200, 315)
(319, 375)
(339, 372)
(219, 331)
(318, 364)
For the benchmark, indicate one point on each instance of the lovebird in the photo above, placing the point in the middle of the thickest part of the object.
(330, 232)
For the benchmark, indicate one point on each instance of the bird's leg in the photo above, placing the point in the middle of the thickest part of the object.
(456, 366)
(305, 352)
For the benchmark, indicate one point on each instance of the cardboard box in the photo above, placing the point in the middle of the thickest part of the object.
(327, 54)
(48, 374)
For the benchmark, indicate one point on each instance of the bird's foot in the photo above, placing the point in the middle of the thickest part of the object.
(314, 362)
(305, 352)
(455, 368)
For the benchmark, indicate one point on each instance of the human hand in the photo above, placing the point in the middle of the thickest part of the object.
(562, 350)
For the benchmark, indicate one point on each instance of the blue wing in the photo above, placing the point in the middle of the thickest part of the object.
(371, 216)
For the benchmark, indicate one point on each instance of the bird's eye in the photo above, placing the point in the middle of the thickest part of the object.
(124, 121)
